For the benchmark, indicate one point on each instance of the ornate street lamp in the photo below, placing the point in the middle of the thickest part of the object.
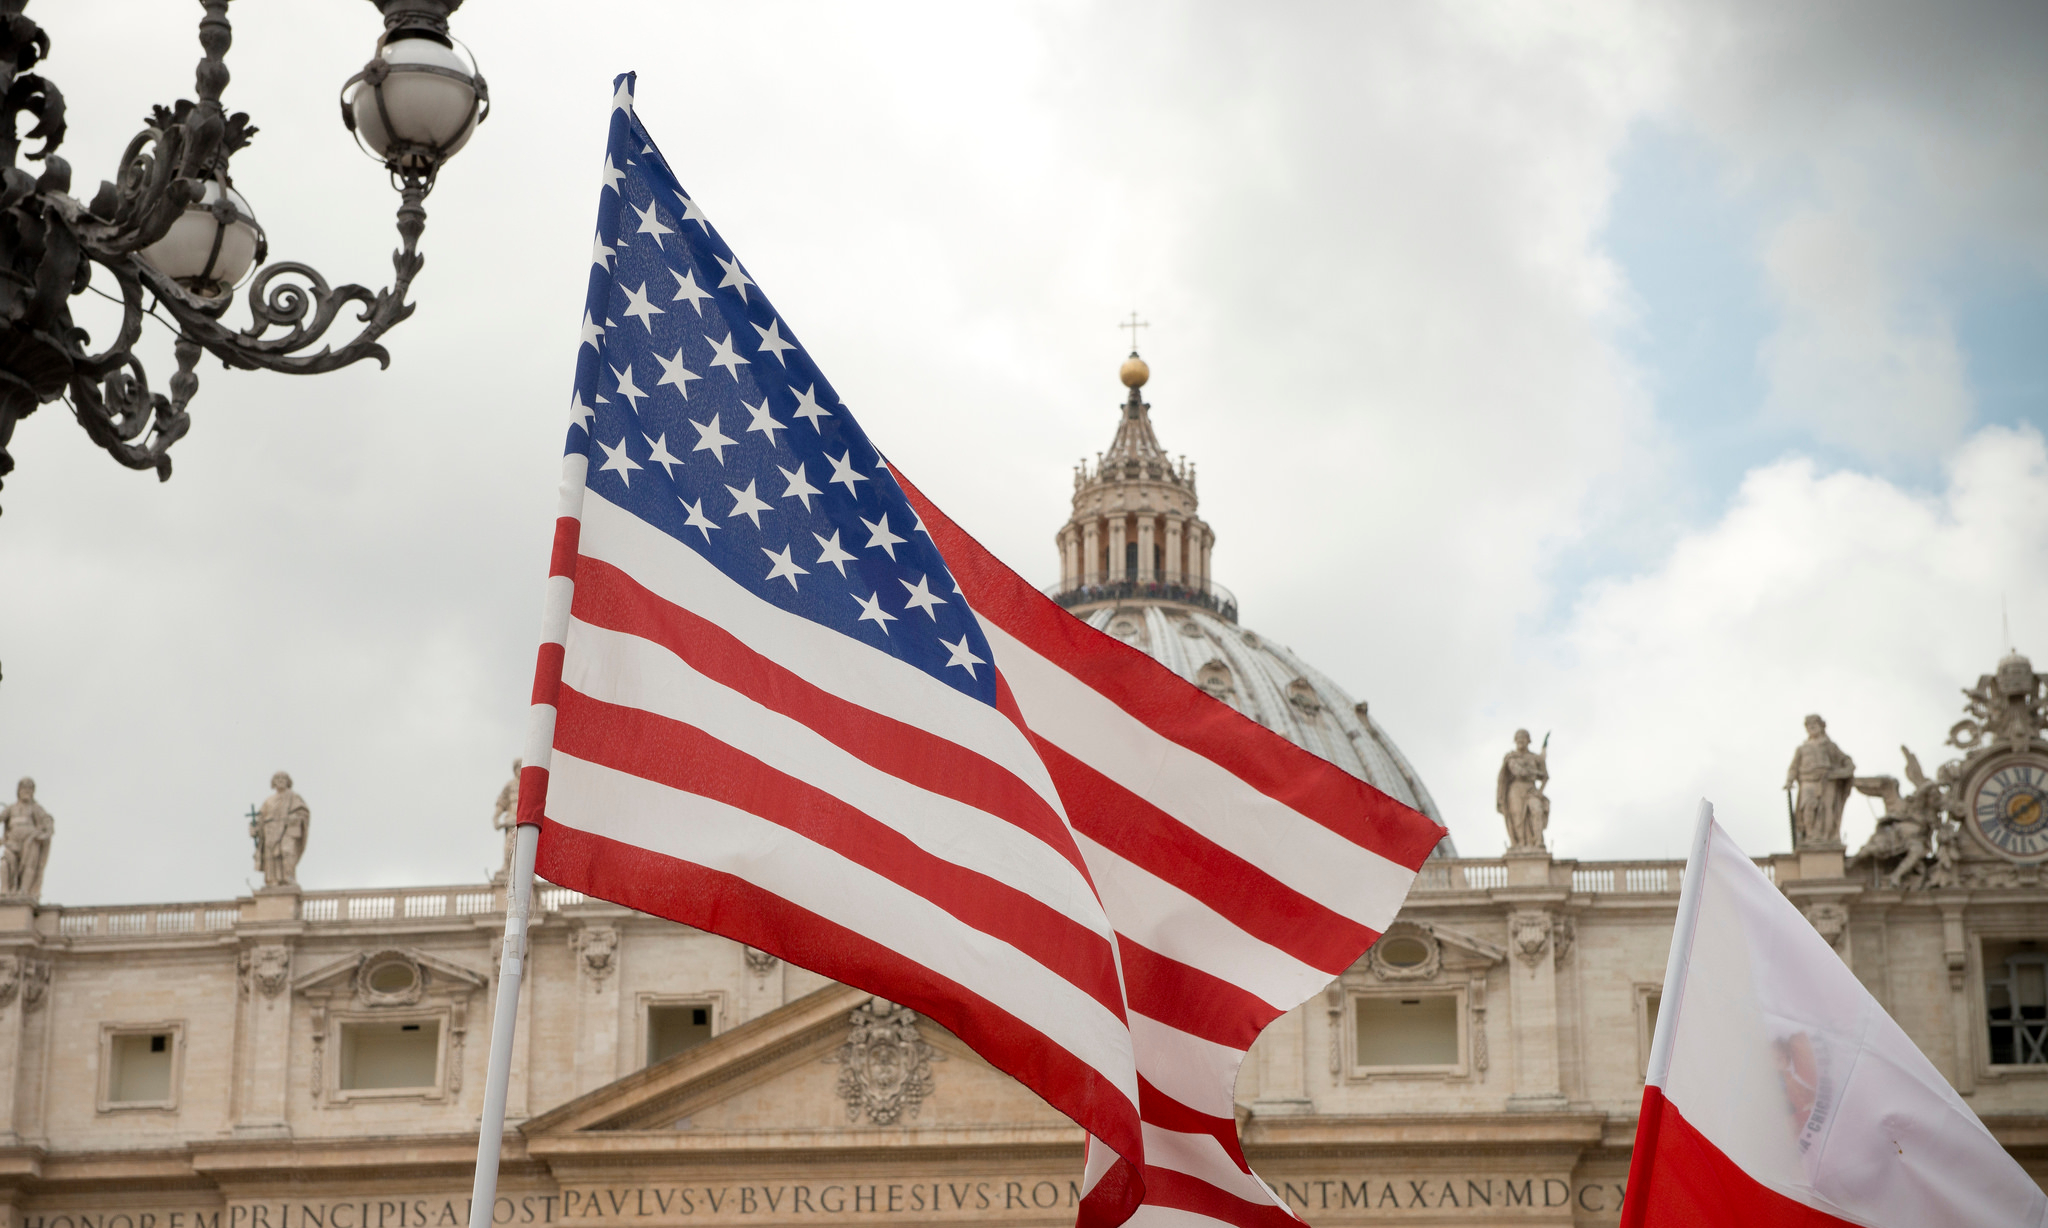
(178, 239)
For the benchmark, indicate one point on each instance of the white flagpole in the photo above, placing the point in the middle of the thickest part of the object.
(540, 742)
(490, 1138)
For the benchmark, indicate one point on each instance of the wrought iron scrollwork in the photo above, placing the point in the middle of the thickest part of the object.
(50, 241)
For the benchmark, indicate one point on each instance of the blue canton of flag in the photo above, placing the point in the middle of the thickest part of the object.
(703, 415)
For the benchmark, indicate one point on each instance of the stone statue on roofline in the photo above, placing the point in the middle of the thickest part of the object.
(1518, 793)
(26, 842)
(505, 818)
(1817, 786)
(278, 830)
(1915, 834)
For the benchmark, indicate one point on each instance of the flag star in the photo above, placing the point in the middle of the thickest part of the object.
(659, 454)
(591, 332)
(881, 536)
(723, 355)
(772, 341)
(710, 440)
(844, 472)
(962, 655)
(747, 503)
(623, 99)
(922, 597)
(807, 407)
(833, 554)
(600, 255)
(650, 224)
(698, 520)
(579, 413)
(919, 528)
(687, 288)
(612, 174)
(871, 611)
(638, 305)
(800, 488)
(735, 276)
(618, 460)
(762, 421)
(673, 372)
(691, 213)
(626, 388)
(785, 568)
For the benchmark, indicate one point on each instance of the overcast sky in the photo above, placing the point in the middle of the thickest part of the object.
(1647, 374)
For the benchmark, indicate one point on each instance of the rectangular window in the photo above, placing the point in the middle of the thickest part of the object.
(1421, 1031)
(140, 1065)
(401, 1055)
(673, 1029)
(2016, 1003)
(141, 1068)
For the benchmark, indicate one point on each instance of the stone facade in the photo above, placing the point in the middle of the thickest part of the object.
(1543, 975)
(303, 1059)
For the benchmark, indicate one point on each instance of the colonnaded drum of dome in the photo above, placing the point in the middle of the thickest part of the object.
(1134, 562)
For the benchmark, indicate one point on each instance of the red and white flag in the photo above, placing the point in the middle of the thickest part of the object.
(782, 699)
(1781, 1093)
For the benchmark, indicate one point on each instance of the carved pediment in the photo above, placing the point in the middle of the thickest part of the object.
(1416, 950)
(835, 1063)
(391, 976)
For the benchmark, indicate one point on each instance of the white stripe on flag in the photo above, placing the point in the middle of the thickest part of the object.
(1348, 879)
(820, 655)
(1197, 1072)
(1170, 922)
(593, 798)
(631, 672)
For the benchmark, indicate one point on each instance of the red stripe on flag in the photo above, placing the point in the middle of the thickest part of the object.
(686, 758)
(547, 674)
(721, 903)
(1165, 1187)
(608, 597)
(1177, 709)
(1162, 1110)
(1677, 1177)
(1190, 999)
(1248, 897)
(562, 558)
(533, 794)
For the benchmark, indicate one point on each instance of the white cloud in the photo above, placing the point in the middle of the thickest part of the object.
(1851, 363)
(1838, 593)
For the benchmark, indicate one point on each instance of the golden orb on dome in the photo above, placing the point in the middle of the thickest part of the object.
(1134, 372)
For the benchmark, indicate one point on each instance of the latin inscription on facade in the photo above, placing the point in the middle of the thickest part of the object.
(1333, 1199)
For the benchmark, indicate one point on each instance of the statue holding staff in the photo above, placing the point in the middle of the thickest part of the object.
(1518, 793)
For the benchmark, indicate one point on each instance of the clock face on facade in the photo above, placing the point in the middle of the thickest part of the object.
(2009, 808)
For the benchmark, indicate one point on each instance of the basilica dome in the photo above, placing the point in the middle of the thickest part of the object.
(1134, 562)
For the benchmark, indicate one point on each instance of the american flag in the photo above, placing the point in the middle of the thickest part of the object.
(782, 698)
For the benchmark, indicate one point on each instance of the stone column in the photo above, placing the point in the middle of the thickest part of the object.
(1117, 529)
(1202, 572)
(1147, 574)
(1955, 954)
(1173, 531)
(1070, 559)
(1282, 1051)
(1091, 553)
(597, 1016)
(1534, 1023)
(268, 931)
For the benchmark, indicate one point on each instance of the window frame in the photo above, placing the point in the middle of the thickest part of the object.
(1980, 1004)
(342, 1021)
(647, 1003)
(175, 1028)
(1646, 1031)
(1459, 991)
